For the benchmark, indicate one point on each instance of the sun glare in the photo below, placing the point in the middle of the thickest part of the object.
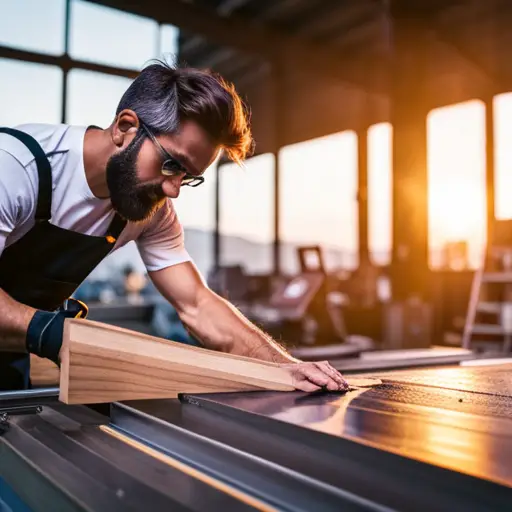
(318, 195)
(456, 180)
(503, 154)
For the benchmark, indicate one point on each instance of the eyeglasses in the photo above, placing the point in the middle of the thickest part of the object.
(171, 166)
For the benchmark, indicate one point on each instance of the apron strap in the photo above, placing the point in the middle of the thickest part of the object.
(116, 227)
(44, 171)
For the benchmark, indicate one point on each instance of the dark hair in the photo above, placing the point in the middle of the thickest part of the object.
(162, 96)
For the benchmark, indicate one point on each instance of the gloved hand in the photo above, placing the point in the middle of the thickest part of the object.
(45, 331)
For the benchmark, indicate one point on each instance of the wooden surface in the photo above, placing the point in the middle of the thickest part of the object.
(104, 363)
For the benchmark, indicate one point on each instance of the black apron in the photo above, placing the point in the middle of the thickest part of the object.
(47, 264)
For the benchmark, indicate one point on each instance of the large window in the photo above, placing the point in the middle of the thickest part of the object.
(196, 210)
(456, 182)
(380, 180)
(169, 42)
(33, 25)
(503, 155)
(32, 93)
(247, 214)
(112, 37)
(29, 93)
(85, 106)
(318, 199)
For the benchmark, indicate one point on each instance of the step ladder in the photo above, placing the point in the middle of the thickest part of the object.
(489, 314)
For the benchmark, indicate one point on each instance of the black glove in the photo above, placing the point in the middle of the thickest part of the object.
(44, 334)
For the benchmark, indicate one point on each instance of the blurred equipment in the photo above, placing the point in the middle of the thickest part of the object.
(456, 256)
(166, 323)
(305, 310)
(304, 301)
(489, 315)
(407, 324)
(230, 282)
(312, 306)
(134, 284)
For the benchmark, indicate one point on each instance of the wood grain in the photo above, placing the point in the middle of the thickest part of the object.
(105, 363)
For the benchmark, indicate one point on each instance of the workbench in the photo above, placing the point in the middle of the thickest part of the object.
(430, 439)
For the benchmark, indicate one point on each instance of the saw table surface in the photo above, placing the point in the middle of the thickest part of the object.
(430, 439)
(454, 423)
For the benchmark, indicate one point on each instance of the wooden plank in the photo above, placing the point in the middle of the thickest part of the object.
(104, 363)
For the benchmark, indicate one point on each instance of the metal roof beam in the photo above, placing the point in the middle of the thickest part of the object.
(267, 43)
(216, 58)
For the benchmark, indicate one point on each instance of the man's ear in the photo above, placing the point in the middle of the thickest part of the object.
(125, 127)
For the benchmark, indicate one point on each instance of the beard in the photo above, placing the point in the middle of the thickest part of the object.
(132, 200)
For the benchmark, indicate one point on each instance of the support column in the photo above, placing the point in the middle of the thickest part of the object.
(410, 44)
(495, 73)
(279, 113)
(216, 232)
(365, 293)
(408, 317)
(490, 170)
(362, 196)
(67, 28)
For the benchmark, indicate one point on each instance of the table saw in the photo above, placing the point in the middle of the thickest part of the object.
(430, 439)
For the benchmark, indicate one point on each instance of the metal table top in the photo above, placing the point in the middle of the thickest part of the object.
(437, 439)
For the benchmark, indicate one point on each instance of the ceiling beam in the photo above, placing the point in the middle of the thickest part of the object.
(256, 73)
(215, 58)
(341, 16)
(226, 7)
(281, 8)
(192, 43)
(349, 37)
(267, 43)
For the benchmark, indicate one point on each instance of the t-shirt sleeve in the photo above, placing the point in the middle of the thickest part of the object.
(15, 195)
(162, 243)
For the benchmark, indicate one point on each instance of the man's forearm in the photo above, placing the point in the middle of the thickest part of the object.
(220, 326)
(14, 320)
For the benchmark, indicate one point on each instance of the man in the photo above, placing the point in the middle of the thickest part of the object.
(69, 196)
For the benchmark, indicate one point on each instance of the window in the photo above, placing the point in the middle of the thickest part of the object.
(29, 93)
(111, 37)
(456, 182)
(196, 210)
(247, 214)
(380, 180)
(169, 35)
(318, 199)
(85, 106)
(503, 155)
(33, 25)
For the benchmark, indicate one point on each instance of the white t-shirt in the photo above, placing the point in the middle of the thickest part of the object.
(74, 207)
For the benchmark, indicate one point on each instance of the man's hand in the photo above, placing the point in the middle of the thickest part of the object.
(312, 376)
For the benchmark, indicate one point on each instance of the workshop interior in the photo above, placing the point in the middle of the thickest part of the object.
(371, 228)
